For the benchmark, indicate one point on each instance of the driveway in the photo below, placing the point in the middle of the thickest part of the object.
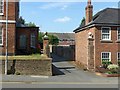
(65, 74)
(64, 71)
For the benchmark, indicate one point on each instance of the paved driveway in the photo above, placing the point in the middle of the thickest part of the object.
(64, 71)
(65, 76)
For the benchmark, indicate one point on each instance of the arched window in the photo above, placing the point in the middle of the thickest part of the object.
(23, 41)
(33, 41)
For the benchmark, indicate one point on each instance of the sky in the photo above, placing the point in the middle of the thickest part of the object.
(59, 17)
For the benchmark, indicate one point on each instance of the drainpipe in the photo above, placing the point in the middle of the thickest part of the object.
(6, 60)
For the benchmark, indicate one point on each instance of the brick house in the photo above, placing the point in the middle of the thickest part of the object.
(98, 38)
(65, 38)
(13, 30)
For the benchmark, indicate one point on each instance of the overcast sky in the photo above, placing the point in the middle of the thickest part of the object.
(58, 16)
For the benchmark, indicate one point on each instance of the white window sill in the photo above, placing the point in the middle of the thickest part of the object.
(106, 41)
(1, 45)
(118, 41)
(1, 14)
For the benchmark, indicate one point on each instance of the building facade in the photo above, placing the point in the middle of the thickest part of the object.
(65, 39)
(98, 38)
(13, 16)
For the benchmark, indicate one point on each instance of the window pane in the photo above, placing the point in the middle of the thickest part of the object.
(1, 6)
(105, 34)
(119, 34)
(105, 31)
(23, 41)
(33, 40)
(119, 56)
(105, 56)
(1, 36)
(0, 41)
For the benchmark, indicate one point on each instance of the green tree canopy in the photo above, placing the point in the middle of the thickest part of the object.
(31, 24)
(83, 20)
(52, 39)
(21, 20)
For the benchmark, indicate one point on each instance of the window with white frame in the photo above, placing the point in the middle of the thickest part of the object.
(1, 6)
(106, 56)
(1, 36)
(118, 33)
(33, 40)
(106, 33)
(118, 56)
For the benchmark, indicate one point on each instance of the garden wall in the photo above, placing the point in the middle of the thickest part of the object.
(29, 67)
(67, 52)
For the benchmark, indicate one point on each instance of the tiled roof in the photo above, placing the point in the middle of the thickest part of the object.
(64, 36)
(108, 16)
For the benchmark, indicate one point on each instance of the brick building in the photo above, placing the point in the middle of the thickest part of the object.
(65, 38)
(98, 38)
(13, 30)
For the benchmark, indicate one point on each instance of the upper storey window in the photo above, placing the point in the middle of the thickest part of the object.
(1, 7)
(118, 33)
(106, 33)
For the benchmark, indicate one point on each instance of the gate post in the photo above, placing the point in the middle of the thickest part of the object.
(90, 64)
(45, 44)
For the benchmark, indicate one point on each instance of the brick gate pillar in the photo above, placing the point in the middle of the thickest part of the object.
(45, 44)
(90, 65)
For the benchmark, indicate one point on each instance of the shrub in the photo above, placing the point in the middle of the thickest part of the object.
(106, 63)
(109, 72)
(17, 73)
(112, 66)
(119, 63)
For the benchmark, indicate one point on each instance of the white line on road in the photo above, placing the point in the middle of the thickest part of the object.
(40, 76)
(58, 83)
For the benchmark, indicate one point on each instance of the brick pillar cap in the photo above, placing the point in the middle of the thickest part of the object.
(45, 37)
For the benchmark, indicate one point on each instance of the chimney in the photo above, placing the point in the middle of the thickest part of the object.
(89, 12)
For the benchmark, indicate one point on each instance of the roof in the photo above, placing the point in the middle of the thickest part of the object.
(108, 16)
(19, 25)
(64, 36)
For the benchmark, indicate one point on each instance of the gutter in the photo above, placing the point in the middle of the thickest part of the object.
(92, 25)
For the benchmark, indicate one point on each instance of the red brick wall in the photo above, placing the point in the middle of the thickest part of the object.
(106, 46)
(99, 46)
(27, 31)
(11, 11)
(81, 48)
(11, 28)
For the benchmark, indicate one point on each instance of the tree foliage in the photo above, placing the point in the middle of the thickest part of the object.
(21, 20)
(83, 20)
(31, 24)
(53, 40)
(40, 37)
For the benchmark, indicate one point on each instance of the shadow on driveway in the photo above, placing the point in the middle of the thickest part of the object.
(56, 71)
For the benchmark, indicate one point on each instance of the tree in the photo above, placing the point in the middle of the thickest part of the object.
(52, 39)
(83, 20)
(30, 24)
(21, 20)
(40, 37)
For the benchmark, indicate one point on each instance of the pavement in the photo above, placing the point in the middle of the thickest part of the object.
(64, 73)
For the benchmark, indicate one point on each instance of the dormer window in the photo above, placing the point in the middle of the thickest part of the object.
(106, 33)
(1, 7)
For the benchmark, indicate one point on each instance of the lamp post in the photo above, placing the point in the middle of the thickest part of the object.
(6, 60)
